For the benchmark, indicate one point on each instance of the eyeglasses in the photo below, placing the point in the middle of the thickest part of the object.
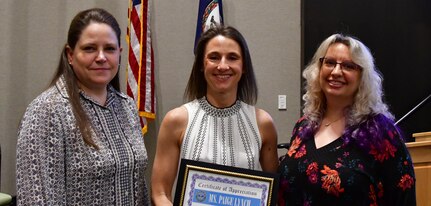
(347, 66)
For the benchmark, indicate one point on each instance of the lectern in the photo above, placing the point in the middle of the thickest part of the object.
(420, 150)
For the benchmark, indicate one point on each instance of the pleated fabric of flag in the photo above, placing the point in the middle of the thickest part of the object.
(210, 14)
(140, 69)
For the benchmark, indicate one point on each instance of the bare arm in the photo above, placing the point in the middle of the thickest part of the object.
(268, 152)
(167, 155)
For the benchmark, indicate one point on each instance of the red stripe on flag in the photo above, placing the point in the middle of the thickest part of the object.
(136, 24)
(141, 61)
(133, 62)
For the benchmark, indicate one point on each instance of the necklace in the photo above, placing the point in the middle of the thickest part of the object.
(329, 123)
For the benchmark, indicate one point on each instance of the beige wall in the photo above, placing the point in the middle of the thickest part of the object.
(32, 33)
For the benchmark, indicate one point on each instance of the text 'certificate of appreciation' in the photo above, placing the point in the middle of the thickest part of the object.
(202, 184)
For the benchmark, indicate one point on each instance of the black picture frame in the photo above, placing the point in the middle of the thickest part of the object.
(202, 183)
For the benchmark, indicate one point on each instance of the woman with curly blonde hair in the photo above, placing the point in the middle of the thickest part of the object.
(346, 148)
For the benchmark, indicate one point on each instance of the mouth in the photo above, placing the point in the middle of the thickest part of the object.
(99, 69)
(335, 83)
(222, 76)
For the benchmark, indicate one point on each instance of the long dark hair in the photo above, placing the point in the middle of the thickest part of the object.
(78, 24)
(197, 85)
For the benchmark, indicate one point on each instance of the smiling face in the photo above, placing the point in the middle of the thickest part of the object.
(96, 57)
(223, 66)
(337, 83)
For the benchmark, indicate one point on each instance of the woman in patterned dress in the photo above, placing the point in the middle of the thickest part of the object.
(346, 149)
(219, 125)
(80, 141)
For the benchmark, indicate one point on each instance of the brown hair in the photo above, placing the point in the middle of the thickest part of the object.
(197, 85)
(78, 24)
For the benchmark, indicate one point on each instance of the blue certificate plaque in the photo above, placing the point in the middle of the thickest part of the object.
(202, 184)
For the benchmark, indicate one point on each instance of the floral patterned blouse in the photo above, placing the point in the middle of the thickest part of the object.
(343, 173)
(56, 167)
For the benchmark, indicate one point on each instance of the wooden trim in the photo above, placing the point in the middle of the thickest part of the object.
(422, 136)
(420, 151)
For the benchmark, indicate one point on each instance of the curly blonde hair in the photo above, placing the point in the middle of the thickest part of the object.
(368, 99)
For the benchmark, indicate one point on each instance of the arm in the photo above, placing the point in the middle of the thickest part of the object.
(397, 172)
(268, 152)
(40, 157)
(167, 155)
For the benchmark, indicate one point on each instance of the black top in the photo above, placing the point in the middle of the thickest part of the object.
(342, 173)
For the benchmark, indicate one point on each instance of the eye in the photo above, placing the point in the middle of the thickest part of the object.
(350, 66)
(234, 57)
(110, 48)
(213, 57)
(330, 62)
(88, 48)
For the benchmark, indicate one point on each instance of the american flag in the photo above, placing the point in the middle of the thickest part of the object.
(140, 69)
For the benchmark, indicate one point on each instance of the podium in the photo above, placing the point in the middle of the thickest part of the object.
(420, 151)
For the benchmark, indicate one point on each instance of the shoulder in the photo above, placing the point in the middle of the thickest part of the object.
(173, 125)
(374, 123)
(176, 116)
(48, 110)
(50, 99)
(302, 121)
(304, 128)
(120, 95)
(265, 124)
(377, 131)
(379, 124)
(263, 117)
(123, 99)
(388, 128)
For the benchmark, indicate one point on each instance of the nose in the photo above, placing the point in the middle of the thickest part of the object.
(337, 70)
(223, 65)
(101, 57)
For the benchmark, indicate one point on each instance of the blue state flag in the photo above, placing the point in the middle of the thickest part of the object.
(210, 14)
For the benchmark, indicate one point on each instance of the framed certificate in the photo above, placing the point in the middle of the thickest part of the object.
(201, 183)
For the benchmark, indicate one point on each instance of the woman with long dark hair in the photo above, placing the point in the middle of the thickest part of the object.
(80, 141)
(219, 124)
